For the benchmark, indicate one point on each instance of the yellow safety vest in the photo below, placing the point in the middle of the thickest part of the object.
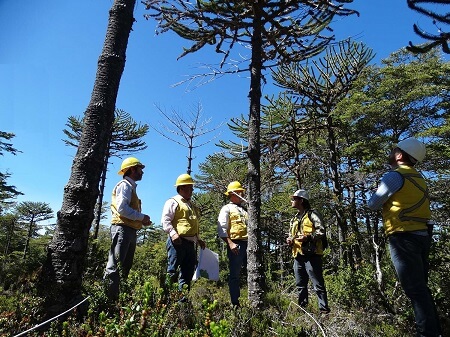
(304, 226)
(135, 203)
(237, 230)
(186, 218)
(408, 209)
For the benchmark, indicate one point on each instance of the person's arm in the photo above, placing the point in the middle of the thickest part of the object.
(223, 222)
(123, 199)
(167, 216)
(199, 241)
(390, 183)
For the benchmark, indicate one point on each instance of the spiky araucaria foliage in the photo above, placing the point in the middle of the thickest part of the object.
(275, 32)
(440, 39)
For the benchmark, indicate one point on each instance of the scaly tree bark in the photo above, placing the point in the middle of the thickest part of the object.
(276, 32)
(125, 139)
(62, 272)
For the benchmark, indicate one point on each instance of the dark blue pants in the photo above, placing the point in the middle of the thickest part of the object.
(235, 263)
(183, 257)
(310, 267)
(409, 254)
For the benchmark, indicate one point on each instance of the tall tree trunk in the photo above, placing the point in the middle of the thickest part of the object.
(356, 247)
(27, 243)
(99, 205)
(62, 272)
(9, 236)
(337, 190)
(255, 267)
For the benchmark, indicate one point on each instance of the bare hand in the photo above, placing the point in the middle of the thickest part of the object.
(289, 241)
(201, 243)
(146, 221)
(301, 238)
(234, 248)
(176, 240)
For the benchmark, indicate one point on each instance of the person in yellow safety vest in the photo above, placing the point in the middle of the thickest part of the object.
(180, 220)
(306, 237)
(127, 218)
(403, 197)
(232, 229)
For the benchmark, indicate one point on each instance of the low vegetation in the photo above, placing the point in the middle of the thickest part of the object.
(147, 307)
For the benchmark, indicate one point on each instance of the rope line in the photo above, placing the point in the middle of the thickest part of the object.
(307, 313)
(51, 319)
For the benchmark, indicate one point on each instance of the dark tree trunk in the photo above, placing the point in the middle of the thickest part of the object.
(99, 205)
(337, 191)
(255, 267)
(27, 243)
(65, 264)
(353, 218)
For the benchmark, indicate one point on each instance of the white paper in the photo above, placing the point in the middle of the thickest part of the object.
(208, 265)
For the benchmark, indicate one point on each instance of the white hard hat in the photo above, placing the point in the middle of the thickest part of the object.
(413, 147)
(301, 194)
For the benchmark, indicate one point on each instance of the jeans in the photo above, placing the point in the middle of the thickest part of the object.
(235, 263)
(409, 254)
(310, 267)
(184, 257)
(121, 253)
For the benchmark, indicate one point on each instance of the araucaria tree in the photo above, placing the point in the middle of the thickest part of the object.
(126, 138)
(434, 40)
(7, 192)
(189, 129)
(320, 87)
(65, 264)
(31, 213)
(276, 32)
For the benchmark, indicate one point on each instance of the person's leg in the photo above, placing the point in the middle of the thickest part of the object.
(315, 272)
(173, 261)
(301, 280)
(131, 238)
(187, 265)
(235, 263)
(409, 254)
(116, 256)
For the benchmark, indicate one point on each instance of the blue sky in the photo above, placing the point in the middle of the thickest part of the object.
(48, 62)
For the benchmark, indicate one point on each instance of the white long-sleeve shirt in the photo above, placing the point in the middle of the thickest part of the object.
(167, 216)
(123, 193)
(390, 183)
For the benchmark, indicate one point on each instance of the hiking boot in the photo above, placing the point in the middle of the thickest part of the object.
(325, 311)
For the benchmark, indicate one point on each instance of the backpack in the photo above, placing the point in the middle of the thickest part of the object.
(324, 238)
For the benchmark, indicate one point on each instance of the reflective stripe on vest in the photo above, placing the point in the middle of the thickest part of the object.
(408, 209)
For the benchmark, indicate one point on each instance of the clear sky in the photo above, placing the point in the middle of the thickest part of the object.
(48, 60)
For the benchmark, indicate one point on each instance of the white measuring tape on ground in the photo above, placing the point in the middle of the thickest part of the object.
(51, 319)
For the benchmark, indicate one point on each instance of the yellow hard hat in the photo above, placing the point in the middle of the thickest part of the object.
(129, 162)
(234, 186)
(184, 179)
